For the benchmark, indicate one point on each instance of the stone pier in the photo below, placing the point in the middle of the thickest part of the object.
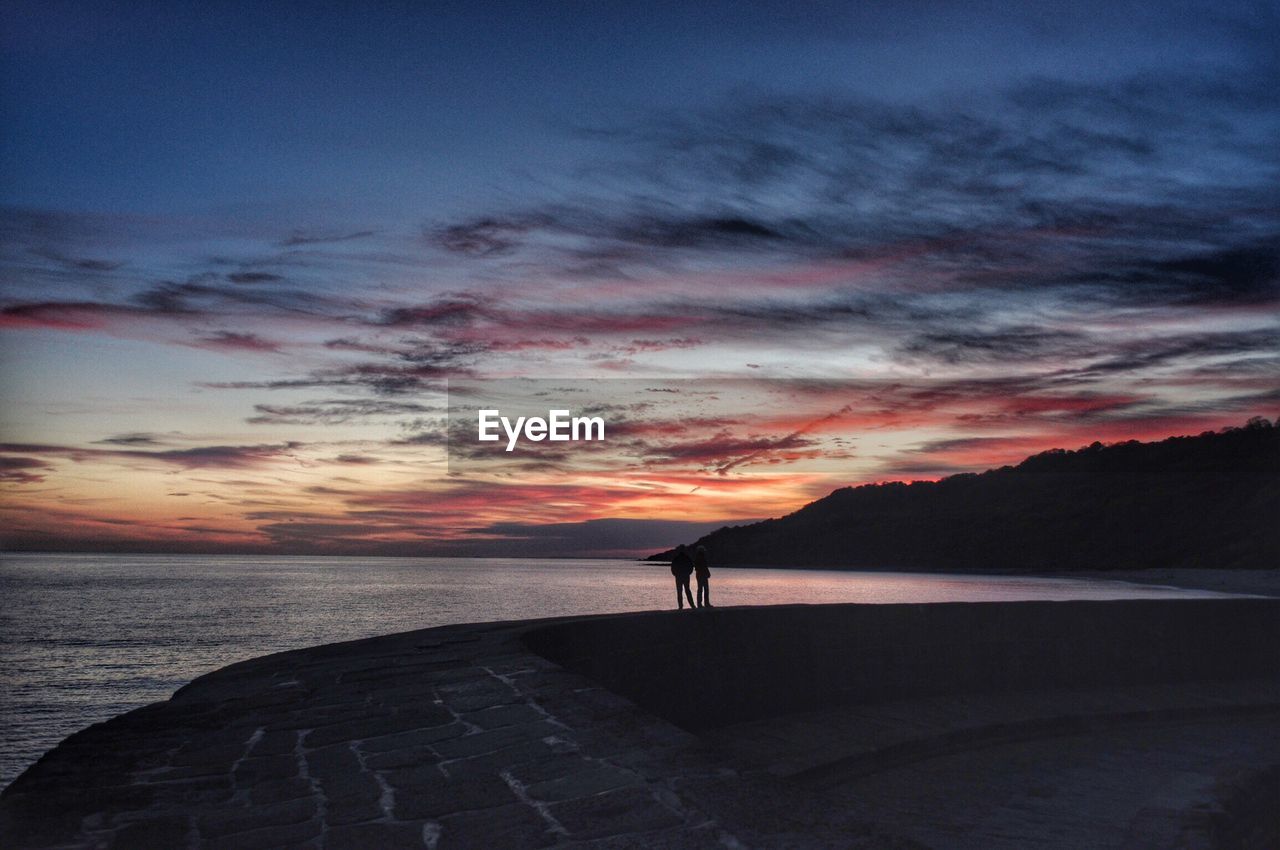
(1032, 724)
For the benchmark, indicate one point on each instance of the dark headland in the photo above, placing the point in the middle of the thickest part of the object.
(1136, 723)
(1206, 501)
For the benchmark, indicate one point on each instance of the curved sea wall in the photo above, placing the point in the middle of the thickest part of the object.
(582, 730)
(744, 664)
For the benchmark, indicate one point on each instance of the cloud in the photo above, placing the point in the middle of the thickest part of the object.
(957, 282)
(1097, 188)
(1018, 342)
(335, 411)
(231, 341)
(215, 457)
(357, 460)
(86, 264)
(302, 238)
(134, 439)
(254, 277)
(68, 315)
(23, 470)
(1147, 352)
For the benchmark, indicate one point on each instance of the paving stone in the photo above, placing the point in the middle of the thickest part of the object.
(506, 826)
(707, 837)
(196, 771)
(353, 783)
(412, 738)
(229, 820)
(353, 809)
(212, 788)
(116, 798)
(463, 703)
(254, 770)
(583, 783)
(333, 760)
(504, 715)
(352, 797)
(375, 836)
(427, 794)
(474, 695)
(279, 790)
(550, 766)
(483, 742)
(498, 760)
(409, 757)
(222, 756)
(365, 726)
(623, 811)
(277, 742)
(420, 693)
(264, 838)
(152, 832)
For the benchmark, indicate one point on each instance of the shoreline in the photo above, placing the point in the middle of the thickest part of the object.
(594, 730)
(1255, 582)
(1259, 582)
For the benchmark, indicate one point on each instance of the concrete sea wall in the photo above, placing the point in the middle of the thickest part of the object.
(584, 731)
(708, 669)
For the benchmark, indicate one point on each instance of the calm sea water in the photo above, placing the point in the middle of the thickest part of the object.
(86, 637)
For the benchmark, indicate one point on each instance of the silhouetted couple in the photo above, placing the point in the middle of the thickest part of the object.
(682, 567)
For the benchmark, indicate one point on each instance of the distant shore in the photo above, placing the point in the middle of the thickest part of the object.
(1256, 582)
(1250, 582)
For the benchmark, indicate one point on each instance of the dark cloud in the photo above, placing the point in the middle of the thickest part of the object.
(23, 470)
(302, 238)
(197, 296)
(223, 457)
(334, 411)
(484, 237)
(254, 277)
(73, 315)
(214, 457)
(600, 538)
(168, 301)
(913, 470)
(1017, 343)
(231, 341)
(133, 439)
(965, 444)
(725, 451)
(448, 310)
(1098, 188)
(87, 264)
(487, 237)
(1151, 351)
(355, 460)
(1248, 274)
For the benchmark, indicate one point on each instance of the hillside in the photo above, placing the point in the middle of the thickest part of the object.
(1211, 500)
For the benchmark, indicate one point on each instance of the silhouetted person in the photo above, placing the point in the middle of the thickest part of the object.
(703, 571)
(682, 568)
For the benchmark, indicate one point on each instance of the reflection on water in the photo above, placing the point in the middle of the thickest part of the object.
(85, 637)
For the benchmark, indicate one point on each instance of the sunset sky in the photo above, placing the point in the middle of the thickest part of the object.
(243, 247)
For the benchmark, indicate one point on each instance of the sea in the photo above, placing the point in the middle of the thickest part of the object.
(86, 637)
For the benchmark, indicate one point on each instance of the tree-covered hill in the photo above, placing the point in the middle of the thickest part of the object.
(1208, 501)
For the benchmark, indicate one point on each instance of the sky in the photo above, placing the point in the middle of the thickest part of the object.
(247, 248)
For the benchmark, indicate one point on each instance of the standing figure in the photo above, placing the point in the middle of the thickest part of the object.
(703, 572)
(682, 568)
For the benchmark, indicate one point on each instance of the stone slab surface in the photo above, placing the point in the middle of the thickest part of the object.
(463, 737)
(444, 738)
